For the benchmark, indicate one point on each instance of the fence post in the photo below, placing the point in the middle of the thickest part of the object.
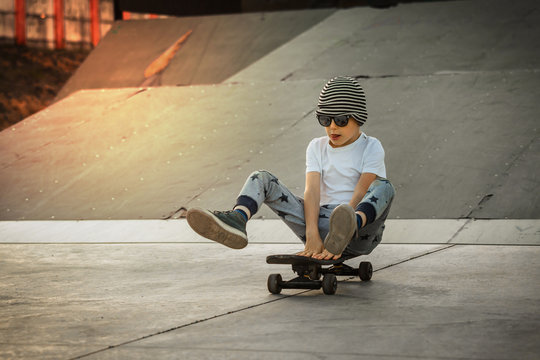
(59, 33)
(20, 22)
(94, 21)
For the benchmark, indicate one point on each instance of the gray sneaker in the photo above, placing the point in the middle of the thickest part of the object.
(225, 227)
(342, 228)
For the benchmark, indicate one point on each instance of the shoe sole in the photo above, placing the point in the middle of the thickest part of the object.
(206, 224)
(342, 228)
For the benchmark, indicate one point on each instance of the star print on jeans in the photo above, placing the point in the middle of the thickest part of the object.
(281, 213)
(256, 176)
(373, 199)
(323, 216)
(274, 180)
(284, 198)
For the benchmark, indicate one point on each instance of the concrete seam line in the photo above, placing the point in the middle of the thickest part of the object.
(246, 308)
(406, 260)
(417, 256)
(443, 73)
(459, 231)
(186, 325)
(423, 254)
(506, 170)
(257, 305)
(197, 195)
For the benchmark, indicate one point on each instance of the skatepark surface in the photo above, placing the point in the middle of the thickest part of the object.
(97, 261)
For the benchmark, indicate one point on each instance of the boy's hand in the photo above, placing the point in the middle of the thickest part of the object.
(314, 246)
(326, 255)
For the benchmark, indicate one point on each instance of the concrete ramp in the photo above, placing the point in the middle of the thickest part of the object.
(452, 90)
(219, 47)
(424, 38)
(458, 116)
(457, 146)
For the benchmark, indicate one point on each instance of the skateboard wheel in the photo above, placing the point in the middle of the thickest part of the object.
(365, 271)
(274, 283)
(329, 284)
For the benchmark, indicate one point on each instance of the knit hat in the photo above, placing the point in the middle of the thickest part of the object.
(343, 95)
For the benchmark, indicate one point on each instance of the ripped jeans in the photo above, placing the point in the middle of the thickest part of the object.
(262, 187)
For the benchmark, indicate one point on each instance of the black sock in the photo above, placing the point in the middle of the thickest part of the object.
(368, 210)
(359, 221)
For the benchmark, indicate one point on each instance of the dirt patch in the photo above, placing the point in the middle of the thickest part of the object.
(30, 79)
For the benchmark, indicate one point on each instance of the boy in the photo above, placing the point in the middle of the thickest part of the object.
(346, 199)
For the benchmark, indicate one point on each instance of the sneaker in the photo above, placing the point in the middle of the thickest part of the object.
(225, 227)
(342, 228)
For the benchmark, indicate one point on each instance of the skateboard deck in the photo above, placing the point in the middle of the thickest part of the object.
(310, 270)
(301, 260)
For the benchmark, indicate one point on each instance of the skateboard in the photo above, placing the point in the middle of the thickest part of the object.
(310, 270)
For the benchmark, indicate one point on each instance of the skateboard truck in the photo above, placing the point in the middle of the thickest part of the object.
(310, 270)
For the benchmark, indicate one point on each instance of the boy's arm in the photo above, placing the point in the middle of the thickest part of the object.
(312, 196)
(361, 188)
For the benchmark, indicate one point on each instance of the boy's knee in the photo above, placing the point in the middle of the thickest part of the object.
(254, 173)
(388, 186)
(265, 176)
(377, 201)
(383, 187)
(261, 173)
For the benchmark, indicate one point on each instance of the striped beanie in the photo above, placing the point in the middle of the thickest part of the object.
(343, 95)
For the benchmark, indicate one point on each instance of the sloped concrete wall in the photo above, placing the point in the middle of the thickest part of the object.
(460, 133)
(218, 47)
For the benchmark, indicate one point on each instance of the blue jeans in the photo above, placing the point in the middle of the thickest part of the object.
(262, 187)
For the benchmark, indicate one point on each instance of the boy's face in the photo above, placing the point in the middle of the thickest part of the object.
(343, 136)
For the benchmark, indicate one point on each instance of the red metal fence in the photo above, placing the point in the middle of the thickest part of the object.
(59, 23)
(33, 22)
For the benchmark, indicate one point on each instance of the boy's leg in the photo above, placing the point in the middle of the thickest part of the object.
(376, 206)
(342, 227)
(283, 202)
(225, 227)
(358, 231)
(229, 227)
(262, 187)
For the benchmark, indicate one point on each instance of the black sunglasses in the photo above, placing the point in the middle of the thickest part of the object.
(340, 120)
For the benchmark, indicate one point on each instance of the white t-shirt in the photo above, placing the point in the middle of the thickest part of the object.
(341, 167)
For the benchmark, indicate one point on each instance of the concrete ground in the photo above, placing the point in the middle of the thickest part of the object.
(96, 262)
(153, 289)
